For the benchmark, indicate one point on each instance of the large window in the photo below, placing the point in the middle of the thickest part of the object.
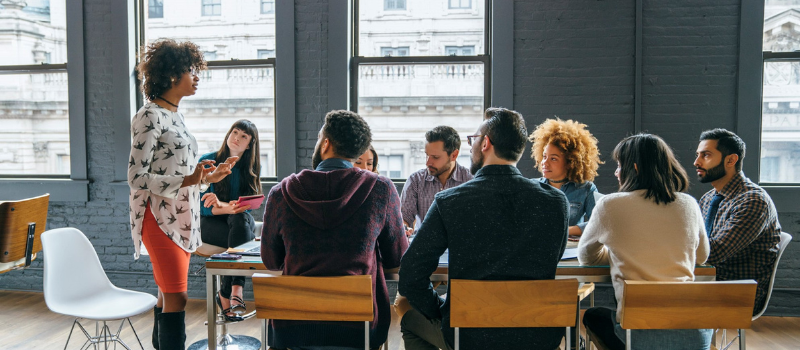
(780, 138)
(407, 81)
(240, 81)
(392, 5)
(34, 93)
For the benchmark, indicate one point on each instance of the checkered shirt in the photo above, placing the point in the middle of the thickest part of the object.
(744, 239)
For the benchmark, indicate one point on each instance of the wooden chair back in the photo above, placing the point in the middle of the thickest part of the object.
(511, 304)
(687, 305)
(15, 219)
(345, 298)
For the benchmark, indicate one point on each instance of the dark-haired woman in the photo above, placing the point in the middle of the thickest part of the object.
(649, 231)
(368, 161)
(165, 180)
(224, 223)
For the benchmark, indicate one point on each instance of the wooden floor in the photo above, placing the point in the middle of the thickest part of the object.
(26, 323)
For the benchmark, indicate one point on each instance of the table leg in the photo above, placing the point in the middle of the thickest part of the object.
(211, 292)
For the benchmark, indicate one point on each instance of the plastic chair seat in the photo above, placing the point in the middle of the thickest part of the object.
(106, 305)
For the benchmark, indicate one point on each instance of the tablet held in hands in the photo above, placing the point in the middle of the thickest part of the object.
(253, 201)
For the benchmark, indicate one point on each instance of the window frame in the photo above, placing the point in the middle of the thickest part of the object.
(127, 96)
(75, 185)
(484, 58)
(750, 101)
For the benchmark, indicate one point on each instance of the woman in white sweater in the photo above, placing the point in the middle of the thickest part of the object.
(648, 231)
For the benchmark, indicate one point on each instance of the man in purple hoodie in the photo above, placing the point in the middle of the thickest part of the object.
(335, 220)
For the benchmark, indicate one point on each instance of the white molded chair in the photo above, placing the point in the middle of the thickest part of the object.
(785, 239)
(75, 284)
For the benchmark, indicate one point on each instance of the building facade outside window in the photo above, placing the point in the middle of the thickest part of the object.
(459, 50)
(460, 4)
(780, 123)
(393, 5)
(267, 6)
(34, 92)
(394, 51)
(406, 82)
(240, 81)
(212, 7)
(155, 9)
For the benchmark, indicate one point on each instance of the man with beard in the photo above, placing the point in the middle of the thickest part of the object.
(740, 218)
(499, 226)
(334, 220)
(441, 172)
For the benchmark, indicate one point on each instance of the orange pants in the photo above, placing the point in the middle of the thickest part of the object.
(170, 262)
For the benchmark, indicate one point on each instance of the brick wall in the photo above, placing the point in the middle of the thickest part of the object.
(572, 59)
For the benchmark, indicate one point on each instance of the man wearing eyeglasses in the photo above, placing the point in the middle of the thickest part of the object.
(441, 172)
(499, 226)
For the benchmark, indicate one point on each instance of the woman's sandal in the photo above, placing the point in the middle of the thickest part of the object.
(224, 312)
(241, 305)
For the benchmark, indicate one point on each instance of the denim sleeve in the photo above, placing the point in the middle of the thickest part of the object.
(588, 206)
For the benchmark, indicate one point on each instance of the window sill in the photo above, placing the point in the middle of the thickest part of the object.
(60, 190)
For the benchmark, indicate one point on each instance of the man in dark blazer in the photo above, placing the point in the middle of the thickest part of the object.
(499, 226)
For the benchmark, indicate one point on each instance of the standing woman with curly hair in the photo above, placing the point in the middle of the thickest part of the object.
(567, 156)
(165, 180)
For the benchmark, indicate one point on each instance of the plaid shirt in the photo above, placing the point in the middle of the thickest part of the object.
(744, 240)
(420, 188)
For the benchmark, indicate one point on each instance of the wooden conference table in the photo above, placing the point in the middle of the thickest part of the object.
(249, 265)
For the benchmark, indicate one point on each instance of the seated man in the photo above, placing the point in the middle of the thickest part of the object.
(499, 226)
(442, 145)
(740, 218)
(333, 221)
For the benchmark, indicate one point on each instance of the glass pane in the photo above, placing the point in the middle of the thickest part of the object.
(780, 147)
(34, 138)
(33, 32)
(781, 25)
(426, 27)
(231, 30)
(401, 102)
(227, 95)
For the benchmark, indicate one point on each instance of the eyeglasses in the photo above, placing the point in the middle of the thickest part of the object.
(470, 138)
(194, 71)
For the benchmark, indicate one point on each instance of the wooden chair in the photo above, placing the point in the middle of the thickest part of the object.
(687, 305)
(345, 298)
(513, 304)
(21, 225)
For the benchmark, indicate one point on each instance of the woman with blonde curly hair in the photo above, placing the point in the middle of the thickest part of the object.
(567, 156)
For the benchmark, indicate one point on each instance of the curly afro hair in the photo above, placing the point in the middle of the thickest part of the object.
(349, 134)
(577, 143)
(164, 60)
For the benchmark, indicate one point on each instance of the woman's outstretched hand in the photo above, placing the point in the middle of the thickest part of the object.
(222, 170)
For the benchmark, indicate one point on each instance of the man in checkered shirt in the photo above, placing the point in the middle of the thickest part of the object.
(741, 220)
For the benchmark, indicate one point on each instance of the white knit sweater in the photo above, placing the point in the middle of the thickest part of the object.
(643, 241)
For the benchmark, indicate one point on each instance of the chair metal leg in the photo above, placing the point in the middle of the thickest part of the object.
(457, 338)
(566, 340)
(264, 331)
(742, 345)
(366, 335)
(627, 339)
